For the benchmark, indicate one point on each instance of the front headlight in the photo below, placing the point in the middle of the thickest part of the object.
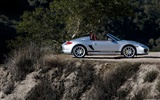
(144, 46)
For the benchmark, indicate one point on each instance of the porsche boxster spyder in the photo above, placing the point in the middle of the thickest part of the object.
(90, 45)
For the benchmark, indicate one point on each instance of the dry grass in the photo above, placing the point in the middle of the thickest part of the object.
(151, 76)
(55, 71)
(141, 95)
(26, 60)
(8, 89)
(64, 79)
(52, 85)
(43, 91)
(158, 86)
(114, 79)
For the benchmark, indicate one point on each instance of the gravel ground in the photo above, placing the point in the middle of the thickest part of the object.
(152, 57)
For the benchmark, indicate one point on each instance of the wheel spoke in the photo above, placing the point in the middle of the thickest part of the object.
(79, 51)
(128, 51)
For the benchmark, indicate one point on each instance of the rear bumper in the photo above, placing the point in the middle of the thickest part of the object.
(67, 49)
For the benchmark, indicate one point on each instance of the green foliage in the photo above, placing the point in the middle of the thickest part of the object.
(7, 32)
(147, 11)
(154, 44)
(83, 16)
(65, 19)
(141, 26)
(37, 2)
(40, 25)
(7, 22)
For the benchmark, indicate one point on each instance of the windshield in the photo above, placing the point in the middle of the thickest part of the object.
(113, 37)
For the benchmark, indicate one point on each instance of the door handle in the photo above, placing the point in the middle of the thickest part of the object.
(94, 43)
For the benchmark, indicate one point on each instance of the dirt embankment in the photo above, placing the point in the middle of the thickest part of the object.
(63, 79)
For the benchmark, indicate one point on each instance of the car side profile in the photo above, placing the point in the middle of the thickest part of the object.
(109, 44)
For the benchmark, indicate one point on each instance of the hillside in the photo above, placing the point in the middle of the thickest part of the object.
(36, 74)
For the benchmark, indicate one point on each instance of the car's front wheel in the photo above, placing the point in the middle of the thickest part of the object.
(79, 51)
(129, 51)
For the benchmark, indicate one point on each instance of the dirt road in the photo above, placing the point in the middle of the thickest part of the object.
(152, 57)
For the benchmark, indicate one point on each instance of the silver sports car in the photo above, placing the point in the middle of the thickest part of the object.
(110, 44)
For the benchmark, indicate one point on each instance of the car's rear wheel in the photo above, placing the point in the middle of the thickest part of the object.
(129, 51)
(79, 51)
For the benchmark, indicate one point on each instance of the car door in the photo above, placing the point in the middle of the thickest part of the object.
(105, 46)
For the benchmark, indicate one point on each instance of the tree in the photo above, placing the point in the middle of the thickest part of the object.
(38, 2)
(39, 27)
(141, 26)
(7, 32)
(81, 16)
(66, 18)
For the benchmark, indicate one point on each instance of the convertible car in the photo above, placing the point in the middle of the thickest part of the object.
(110, 44)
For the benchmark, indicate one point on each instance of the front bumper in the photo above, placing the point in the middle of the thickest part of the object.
(142, 50)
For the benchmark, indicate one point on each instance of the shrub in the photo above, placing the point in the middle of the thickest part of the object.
(141, 95)
(8, 89)
(25, 60)
(114, 79)
(43, 91)
(154, 44)
(151, 76)
(121, 94)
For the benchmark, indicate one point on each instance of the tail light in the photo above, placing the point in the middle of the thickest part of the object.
(68, 43)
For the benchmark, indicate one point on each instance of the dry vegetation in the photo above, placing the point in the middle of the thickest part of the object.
(34, 73)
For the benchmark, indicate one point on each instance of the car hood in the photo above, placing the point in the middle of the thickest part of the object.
(129, 41)
(133, 43)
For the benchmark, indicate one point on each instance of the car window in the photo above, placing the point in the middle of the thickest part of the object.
(100, 37)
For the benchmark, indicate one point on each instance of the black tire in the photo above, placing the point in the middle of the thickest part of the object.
(129, 51)
(79, 51)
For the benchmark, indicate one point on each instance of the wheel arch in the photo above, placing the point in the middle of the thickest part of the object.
(128, 45)
(81, 45)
